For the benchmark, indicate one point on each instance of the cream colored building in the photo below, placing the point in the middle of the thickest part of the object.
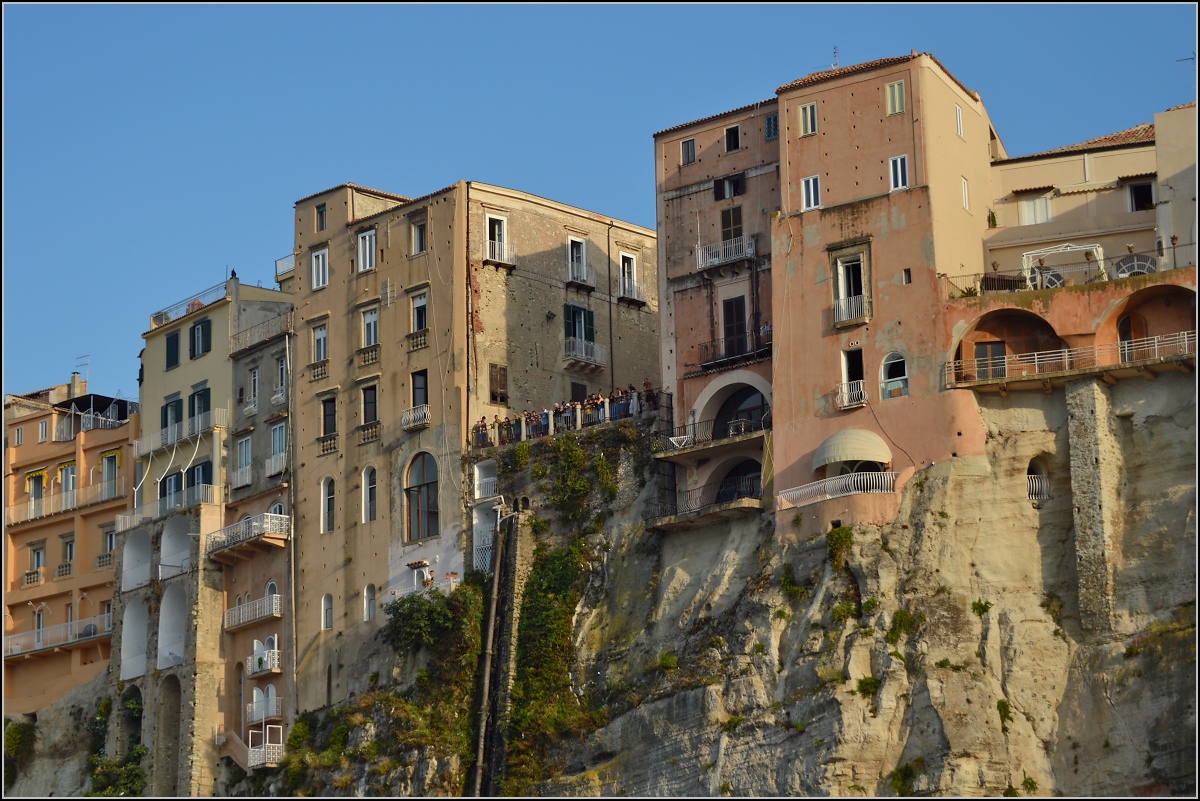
(415, 319)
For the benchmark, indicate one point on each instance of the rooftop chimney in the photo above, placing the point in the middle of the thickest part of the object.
(914, 52)
(78, 386)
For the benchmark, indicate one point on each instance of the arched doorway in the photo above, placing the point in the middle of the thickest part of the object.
(743, 481)
(742, 412)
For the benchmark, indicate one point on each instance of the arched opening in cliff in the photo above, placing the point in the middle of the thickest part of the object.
(134, 625)
(172, 617)
(167, 747)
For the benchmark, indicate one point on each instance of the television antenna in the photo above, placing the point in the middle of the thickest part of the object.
(84, 361)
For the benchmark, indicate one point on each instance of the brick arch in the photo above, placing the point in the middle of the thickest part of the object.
(1166, 309)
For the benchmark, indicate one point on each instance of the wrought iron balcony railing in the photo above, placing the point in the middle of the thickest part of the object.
(837, 487)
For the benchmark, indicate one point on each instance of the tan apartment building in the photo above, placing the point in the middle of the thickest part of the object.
(68, 473)
(415, 319)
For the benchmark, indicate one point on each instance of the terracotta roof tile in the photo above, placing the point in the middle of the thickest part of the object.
(867, 66)
(1142, 134)
(366, 189)
(1184, 105)
(738, 110)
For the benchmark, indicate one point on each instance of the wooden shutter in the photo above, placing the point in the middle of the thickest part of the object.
(719, 189)
(192, 342)
(205, 336)
(568, 320)
(589, 325)
(502, 382)
(164, 415)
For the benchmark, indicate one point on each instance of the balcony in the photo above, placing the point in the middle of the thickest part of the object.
(369, 432)
(64, 501)
(418, 339)
(851, 310)
(502, 253)
(850, 395)
(270, 606)
(1043, 369)
(279, 396)
(584, 354)
(263, 662)
(77, 423)
(276, 463)
(327, 443)
(581, 276)
(318, 370)
(62, 635)
(719, 500)
(64, 570)
(691, 436)
(837, 487)
(34, 577)
(185, 307)
(251, 536)
(181, 432)
(485, 487)
(368, 355)
(484, 536)
(267, 755)
(416, 418)
(737, 349)
(251, 408)
(731, 250)
(285, 266)
(632, 292)
(1039, 488)
(266, 709)
(104, 560)
(241, 477)
(192, 496)
(261, 332)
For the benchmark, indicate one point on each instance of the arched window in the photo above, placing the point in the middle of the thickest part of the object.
(327, 501)
(1134, 265)
(1039, 482)
(893, 376)
(277, 508)
(368, 495)
(743, 411)
(743, 481)
(327, 611)
(369, 602)
(422, 494)
(272, 588)
(237, 601)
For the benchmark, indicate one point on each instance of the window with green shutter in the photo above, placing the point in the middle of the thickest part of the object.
(172, 349)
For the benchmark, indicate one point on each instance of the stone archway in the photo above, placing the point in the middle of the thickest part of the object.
(168, 750)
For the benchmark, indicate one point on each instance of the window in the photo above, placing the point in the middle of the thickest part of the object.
(419, 320)
(321, 217)
(327, 613)
(369, 602)
(577, 254)
(893, 376)
(895, 98)
(958, 118)
(200, 339)
(907, 275)
(277, 508)
(370, 408)
(108, 473)
(812, 193)
(199, 404)
(37, 558)
(43, 430)
(422, 494)
(278, 439)
(497, 241)
(418, 237)
(328, 498)
(578, 392)
(320, 269)
(628, 276)
(20, 435)
(687, 151)
(368, 501)
(366, 251)
(243, 452)
(280, 373)
(497, 384)
(731, 223)
(420, 388)
(272, 589)
(990, 360)
(110, 540)
(172, 349)
(200, 475)
(66, 479)
(579, 323)
(730, 186)
(1141, 197)
(253, 385)
(850, 301)
(320, 353)
(171, 415)
(808, 119)
(899, 170)
(966, 195)
(771, 127)
(733, 138)
(370, 334)
(170, 487)
(1035, 210)
(734, 317)
(328, 416)
(69, 549)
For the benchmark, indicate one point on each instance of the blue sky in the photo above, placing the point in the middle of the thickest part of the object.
(148, 149)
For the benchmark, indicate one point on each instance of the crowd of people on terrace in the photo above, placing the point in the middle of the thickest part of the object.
(566, 416)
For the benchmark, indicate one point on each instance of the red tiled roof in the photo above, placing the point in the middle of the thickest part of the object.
(366, 189)
(412, 202)
(738, 110)
(1184, 105)
(1142, 134)
(867, 66)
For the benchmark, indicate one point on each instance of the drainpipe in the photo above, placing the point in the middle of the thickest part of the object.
(612, 352)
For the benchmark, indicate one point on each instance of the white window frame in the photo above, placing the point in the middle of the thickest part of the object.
(898, 181)
(683, 151)
(322, 217)
(810, 189)
(958, 119)
(884, 391)
(43, 430)
(366, 251)
(280, 372)
(328, 491)
(244, 455)
(327, 612)
(895, 98)
(571, 242)
(253, 385)
(278, 442)
(487, 227)
(420, 237)
(628, 284)
(320, 269)
(966, 189)
(1029, 208)
(420, 301)
(728, 128)
(1129, 193)
(370, 327)
(808, 119)
(320, 348)
(366, 500)
(20, 435)
(369, 594)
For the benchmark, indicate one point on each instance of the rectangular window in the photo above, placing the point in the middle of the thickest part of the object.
(110, 540)
(328, 417)
(1141, 197)
(1035, 210)
(808, 119)
(899, 170)
(771, 127)
(990, 360)
(731, 223)
(907, 275)
(628, 286)
(687, 151)
(320, 269)
(418, 237)
(852, 365)
(199, 403)
(43, 430)
(812, 193)
(578, 392)
(243, 452)
(366, 251)
(69, 550)
(958, 118)
(849, 278)
(172, 349)
(370, 327)
(278, 439)
(369, 405)
(577, 253)
(419, 320)
(200, 338)
(420, 388)
(734, 319)
(498, 384)
(733, 138)
(966, 195)
(280, 372)
(20, 435)
(320, 351)
(37, 558)
(579, 323)
(895, 98)
(253, 385)
(321, 217)
(497, 239)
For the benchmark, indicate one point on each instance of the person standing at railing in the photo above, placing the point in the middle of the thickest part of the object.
(545, 421)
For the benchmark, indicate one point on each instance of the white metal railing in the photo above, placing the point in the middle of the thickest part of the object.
(263, 662)
(266, 754)
(416, 417)
(1039, 488)
(184, 307)
(850, 395)
(837, 487)
(78, 422)
(265, 607)
(64, 501)
(581, 349)
(85, 628)
(579, 272)
(276, 463)
(1018, 365)
(241, 477)
(258, 711)
(484, 535)
(251, 528)
(284, 266)
(485, 487)
(177, 432)
(201, 493)
(260, 332)
(279, 395)
(501, 251)
(632, 290)
(172, 565)
(851, 308)
(718, 253)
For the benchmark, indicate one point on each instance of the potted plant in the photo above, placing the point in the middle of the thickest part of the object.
(995, 266)
(262, 661)
(1129, 246)
(1041, 262)
(1087, 254)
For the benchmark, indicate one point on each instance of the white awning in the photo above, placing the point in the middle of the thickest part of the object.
(852, 445)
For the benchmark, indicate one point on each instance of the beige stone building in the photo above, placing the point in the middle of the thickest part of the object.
(415, 319)
(67, 473)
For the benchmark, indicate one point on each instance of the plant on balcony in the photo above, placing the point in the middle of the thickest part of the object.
(992, 218)
(262, 661)
(1129, 246)
(995, 266)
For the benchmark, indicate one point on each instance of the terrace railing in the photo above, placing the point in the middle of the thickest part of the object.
(730, 250)
(850, 395)
(583, 350)
(64, 501)
(86, 628)
(252, 528)
(185, 429)
(416, 418)
(703, 499)
(267, 606)
(192, 496)
(184, 307)
(261, 332)
(748, 421)
(836, 487)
